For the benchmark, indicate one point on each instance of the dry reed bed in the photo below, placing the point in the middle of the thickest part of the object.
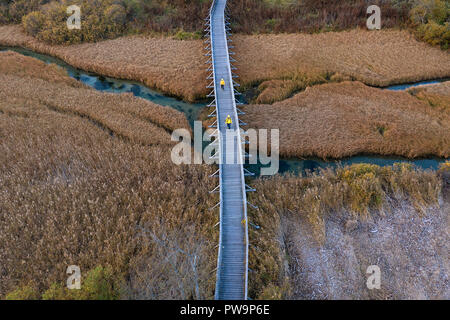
(124, 115)
(70, 193)
(300, 60)
(375, 58)
(318, 234)
(349, 118)
(172, 66)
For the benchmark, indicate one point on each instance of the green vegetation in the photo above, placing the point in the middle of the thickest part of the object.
(104, 19)
(98, 284)
(271, 91)
(103, 202)
(431, 18)
(27, 292)
(183, 35)
(100, 20)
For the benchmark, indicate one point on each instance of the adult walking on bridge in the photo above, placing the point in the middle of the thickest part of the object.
(222, 84)
(228, 121)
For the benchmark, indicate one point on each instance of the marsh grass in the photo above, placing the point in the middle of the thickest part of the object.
(344, 119)
(282, 64)
(288, 63)
(174, 67)
(124, 115)
(359, 193)
(72, 193)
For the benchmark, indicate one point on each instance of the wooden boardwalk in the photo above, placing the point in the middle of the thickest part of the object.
(232, 265)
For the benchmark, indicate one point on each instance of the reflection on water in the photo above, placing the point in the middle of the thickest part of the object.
(101, 83)
(300, 167)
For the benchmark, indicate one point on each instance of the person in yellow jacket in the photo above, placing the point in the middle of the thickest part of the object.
(228, 121)
(222, 84)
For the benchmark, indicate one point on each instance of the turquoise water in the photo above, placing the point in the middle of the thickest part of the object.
(416, 84)
(192, 111)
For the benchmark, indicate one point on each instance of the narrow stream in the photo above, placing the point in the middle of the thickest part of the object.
(299, 166)
(192, 111)
(405, 86)
(106, 84)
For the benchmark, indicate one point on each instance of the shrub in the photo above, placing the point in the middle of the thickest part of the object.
(169, 16)
(96, 24)
(430, 18)
(427, 10)
(33, 23)
(28, 292)
(12, 11)
(183, 35)
(435, 34)
(3, 16)
(444, 171)
(115, 15)
(99, 284)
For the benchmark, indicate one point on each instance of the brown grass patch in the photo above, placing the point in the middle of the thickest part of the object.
(124, 115)
(70, 193)
(375, 58)
(21, 66)
(349, 118)
(172, 66)
(277, 90)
